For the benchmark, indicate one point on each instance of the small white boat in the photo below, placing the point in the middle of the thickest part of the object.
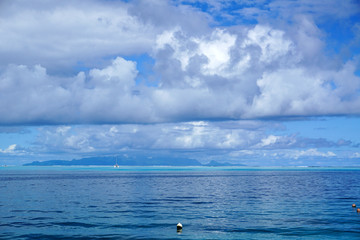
(116, 164)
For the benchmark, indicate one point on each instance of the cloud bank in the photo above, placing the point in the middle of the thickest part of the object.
(246, 73)
(235, 139)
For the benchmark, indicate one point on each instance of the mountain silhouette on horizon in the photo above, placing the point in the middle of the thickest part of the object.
(128, 161)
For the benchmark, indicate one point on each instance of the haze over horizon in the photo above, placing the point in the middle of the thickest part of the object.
(264, 82)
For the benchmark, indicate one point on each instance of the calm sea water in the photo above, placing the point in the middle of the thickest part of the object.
(147, 203)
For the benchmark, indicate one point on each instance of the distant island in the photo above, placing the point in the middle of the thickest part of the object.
(126, 161)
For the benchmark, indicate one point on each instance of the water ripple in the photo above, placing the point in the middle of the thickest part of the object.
(210, 205)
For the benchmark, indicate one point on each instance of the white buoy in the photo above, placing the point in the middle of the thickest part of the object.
(179, 226)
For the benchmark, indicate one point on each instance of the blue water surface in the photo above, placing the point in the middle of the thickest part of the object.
(148, 202)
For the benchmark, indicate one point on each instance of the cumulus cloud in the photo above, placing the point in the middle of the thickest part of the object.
(62, 36)
(293, 154)
(29, 95)
(13, 150)
(296, 141)
(10, 149)
(269, 140)
(263, 72)
(58, 32)
(312, 153)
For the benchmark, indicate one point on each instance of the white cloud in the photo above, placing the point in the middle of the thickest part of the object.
(286, 91)
(120, 76)
(78, 143)
(10, 149)
(62, 34)
(272, 42)
(355, 155)
(31, 95)
(262, 73)
(299, 92)
(308, 37)
(13, 150)
(63, 130)
(311, 153)
(269, 140)
(217, 50)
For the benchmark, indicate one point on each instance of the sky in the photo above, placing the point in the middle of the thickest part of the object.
(261, 83)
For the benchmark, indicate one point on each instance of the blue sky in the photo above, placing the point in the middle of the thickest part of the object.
(252, 82)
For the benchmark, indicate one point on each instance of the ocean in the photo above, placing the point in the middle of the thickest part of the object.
(148, 202)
